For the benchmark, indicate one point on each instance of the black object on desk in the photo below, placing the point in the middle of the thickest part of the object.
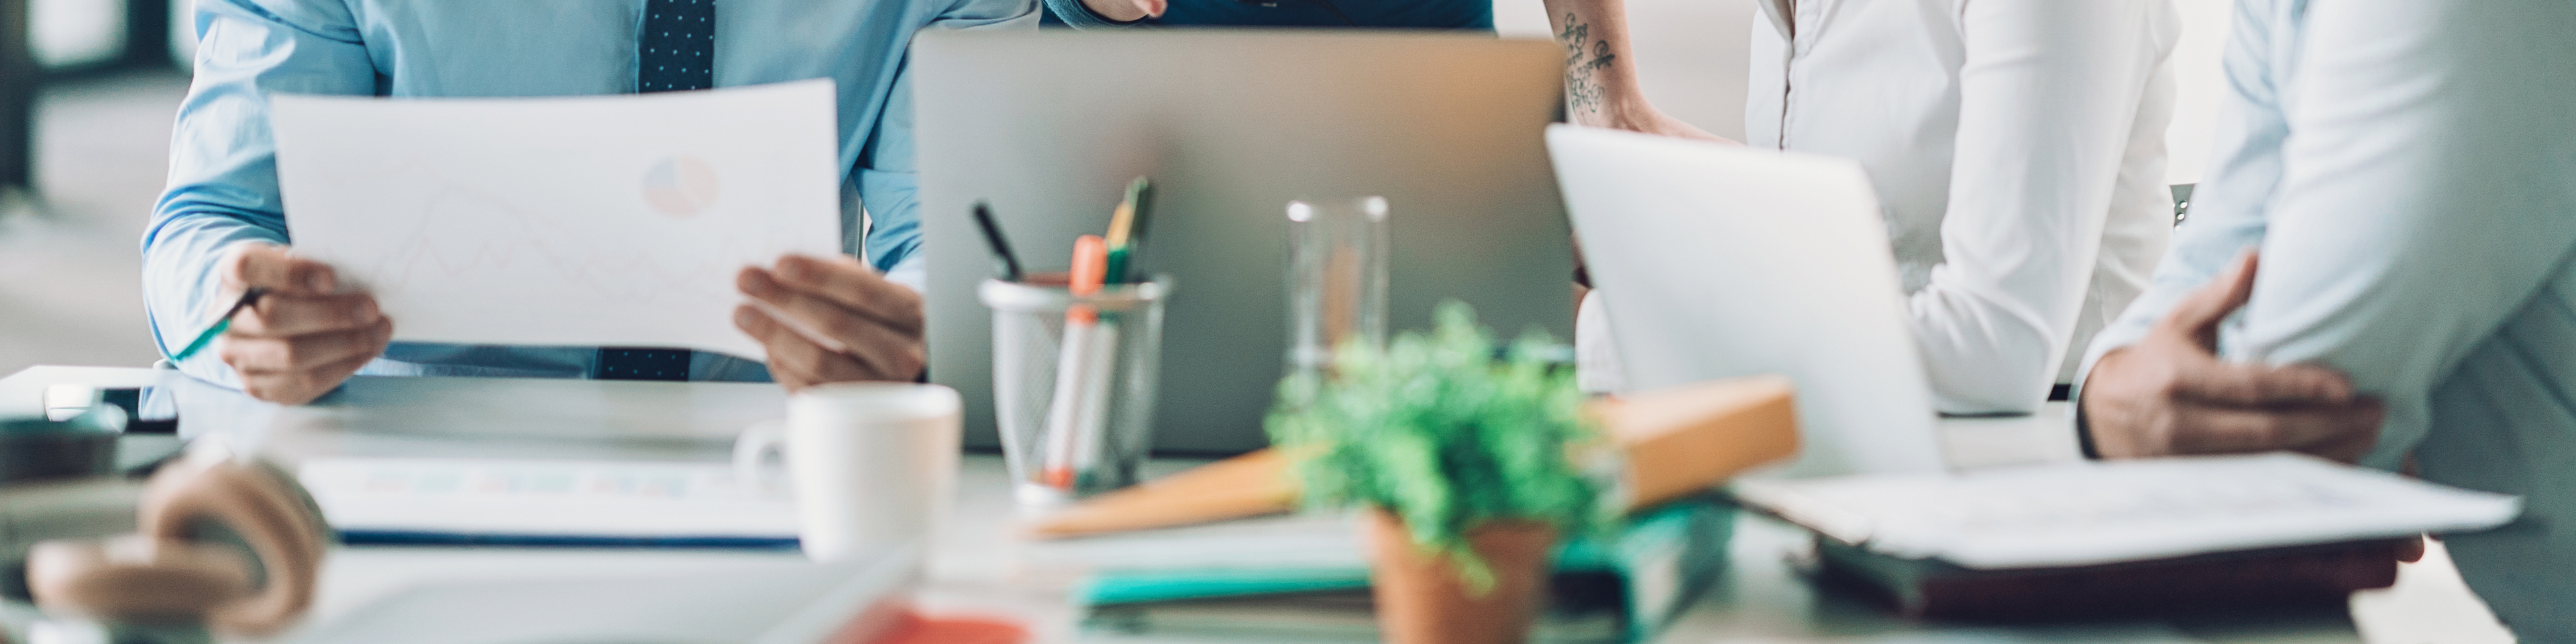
(17, 99)
(38, 449)
(642, 363)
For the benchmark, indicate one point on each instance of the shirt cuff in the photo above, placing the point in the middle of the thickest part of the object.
(910, 273)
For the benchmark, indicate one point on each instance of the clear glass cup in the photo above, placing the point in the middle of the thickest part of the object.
(1074, 379)
(1337, 278)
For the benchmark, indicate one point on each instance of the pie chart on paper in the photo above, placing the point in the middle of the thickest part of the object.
(680, 186)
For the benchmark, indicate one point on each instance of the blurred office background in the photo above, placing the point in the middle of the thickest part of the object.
(106, 76)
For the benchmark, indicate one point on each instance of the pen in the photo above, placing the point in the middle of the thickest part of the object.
(225, 322)
(1001, 245)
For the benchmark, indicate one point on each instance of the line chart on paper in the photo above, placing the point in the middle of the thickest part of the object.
(596, 221)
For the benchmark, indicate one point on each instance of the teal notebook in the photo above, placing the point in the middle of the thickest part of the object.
(1622, 588)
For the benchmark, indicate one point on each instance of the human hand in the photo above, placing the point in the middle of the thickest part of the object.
(1126, 10)
(2169, 394)
(305, 336)
(1636, 116)
(876, 323)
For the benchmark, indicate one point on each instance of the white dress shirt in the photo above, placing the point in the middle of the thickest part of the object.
(2018, 150)
(2408, 169)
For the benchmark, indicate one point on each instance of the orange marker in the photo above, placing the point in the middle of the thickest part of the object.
(1090, 269)
(1078, 370)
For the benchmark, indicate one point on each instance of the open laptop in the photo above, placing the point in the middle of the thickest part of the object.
(1231, 125)
(1720, 261)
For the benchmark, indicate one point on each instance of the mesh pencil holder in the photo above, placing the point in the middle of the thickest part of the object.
(1074, 379)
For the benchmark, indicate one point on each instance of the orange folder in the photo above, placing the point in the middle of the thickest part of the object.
(1675, 442)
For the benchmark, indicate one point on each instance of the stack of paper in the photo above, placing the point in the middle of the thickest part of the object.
(2104, 512)
(396, 500)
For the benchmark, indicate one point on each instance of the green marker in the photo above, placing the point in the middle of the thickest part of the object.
(1127, 231)
(221, 324)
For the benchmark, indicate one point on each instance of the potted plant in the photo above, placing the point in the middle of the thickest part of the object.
(1460, 456)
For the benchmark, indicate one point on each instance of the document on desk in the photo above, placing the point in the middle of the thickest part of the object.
(533, 502)
(2090, 513)
(582, 221)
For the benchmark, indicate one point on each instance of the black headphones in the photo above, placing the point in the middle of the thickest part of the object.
(1326, 4)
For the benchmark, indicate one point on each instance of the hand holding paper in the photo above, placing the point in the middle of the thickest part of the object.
(831, 320)
(303, 334)
(587, 221)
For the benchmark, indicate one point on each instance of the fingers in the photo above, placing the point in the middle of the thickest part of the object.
(296, 370)
(844, 281)
(287, 315)
(2340, 432)
(2204, 378)
(2410, 549)
(307, 352)
(797, 362)
(2198, 314)
(269, 266)
(853, 330)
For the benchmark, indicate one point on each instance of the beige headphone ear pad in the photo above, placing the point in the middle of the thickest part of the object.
(262, 506)
(133, 578)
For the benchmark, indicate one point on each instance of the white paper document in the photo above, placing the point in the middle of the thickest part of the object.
(2113, 511)
(568, 501)
(585, 221)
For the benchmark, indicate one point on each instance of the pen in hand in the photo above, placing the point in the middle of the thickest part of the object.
(221, 324)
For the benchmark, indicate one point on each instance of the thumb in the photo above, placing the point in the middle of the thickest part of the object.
(1153, 8)
(269, 266)
(2198, 315)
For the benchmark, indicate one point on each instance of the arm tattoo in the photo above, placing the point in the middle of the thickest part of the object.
(1583, 91)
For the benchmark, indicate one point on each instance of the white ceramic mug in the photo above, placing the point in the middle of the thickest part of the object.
(873, 465)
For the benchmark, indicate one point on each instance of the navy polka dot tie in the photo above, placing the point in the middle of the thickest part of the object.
(677, 48)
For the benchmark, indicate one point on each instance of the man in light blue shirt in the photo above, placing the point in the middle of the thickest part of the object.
(2407, 171)
(219, 228)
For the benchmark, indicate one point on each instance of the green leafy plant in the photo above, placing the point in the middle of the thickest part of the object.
(1440, 432)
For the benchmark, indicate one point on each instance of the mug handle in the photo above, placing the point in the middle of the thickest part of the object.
(752, 448)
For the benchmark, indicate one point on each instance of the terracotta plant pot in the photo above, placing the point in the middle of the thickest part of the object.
(1422, 600)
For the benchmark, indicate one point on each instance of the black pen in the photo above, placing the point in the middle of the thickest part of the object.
(1001, 246)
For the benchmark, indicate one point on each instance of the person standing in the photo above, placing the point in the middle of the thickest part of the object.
(2403, 175)
(2017, 148)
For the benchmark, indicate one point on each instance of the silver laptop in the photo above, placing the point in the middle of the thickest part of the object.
(1720, 261)
(1232, 125)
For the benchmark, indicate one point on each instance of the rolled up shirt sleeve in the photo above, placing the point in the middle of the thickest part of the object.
(2049, 94)
(222, 189)
(889, 185)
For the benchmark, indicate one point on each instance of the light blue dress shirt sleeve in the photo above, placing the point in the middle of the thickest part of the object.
(2430, 197)
(889, 185)
(2423, 241)
(2419, 235)
(223, 174)
(2227, 211)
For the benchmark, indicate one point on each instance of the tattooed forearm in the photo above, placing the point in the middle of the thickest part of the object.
(1584, 60)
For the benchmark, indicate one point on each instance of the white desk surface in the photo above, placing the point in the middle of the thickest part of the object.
(1760, 599)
